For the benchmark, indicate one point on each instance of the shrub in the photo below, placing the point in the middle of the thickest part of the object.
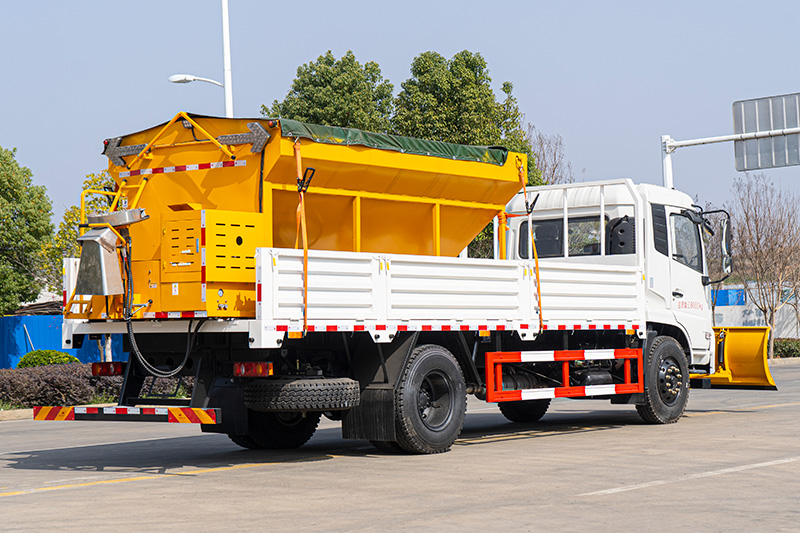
(48, 385)
(787, 348)
(45, 357)
(71, 385)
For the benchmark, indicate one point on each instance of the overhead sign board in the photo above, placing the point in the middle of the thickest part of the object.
(762, 115)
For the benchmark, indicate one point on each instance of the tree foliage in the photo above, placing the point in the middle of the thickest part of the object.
(65, 242)
(24, 228)
(766, 246)
(443, 100)
(453, 101)
(338, 92)
(552, 166)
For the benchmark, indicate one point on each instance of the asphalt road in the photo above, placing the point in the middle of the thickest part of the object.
(731, 464)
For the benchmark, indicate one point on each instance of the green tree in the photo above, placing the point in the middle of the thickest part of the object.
(65, 242)
(24, 228)
(339, 92)
(453, 101)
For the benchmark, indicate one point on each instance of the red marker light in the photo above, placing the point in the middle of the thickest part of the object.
(253, 369)
(114, 368)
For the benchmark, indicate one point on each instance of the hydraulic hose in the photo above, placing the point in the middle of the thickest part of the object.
(128, 315)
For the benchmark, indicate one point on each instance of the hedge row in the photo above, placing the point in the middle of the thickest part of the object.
(787, 348)
(69, 384)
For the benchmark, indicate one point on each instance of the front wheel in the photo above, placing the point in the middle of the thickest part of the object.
(431, 401)
(667, 381)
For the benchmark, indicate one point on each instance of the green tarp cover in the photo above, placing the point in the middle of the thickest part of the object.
(494, 155)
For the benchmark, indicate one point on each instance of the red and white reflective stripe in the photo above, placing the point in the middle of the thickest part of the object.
(389, 327)
(181, 415)
(122, 410)
(545, 356)
(183, 168)
(568, 355)
(179, 314)
(590, 326)
(589, 390)
(202, 274)
(203, 227)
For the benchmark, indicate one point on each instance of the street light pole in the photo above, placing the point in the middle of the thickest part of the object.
(226, 68)
(226, 65)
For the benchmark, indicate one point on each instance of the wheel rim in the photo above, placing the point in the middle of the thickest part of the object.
(670, 381)
(435, 400)
(289, 419)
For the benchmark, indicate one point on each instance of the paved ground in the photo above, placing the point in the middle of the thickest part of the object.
(732, 464)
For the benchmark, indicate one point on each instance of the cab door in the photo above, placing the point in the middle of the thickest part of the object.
(690, 303)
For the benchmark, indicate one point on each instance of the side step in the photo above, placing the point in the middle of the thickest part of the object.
(176, 415)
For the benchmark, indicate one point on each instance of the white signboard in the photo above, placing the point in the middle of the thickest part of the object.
(761, 115)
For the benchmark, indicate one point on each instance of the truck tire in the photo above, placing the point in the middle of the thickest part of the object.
(280, 431)
(431, 401)
(525, 410)
(667, 378)
(301, 394)
(245, 441)
(387, 446)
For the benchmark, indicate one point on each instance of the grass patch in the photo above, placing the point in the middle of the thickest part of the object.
(104, 397)
(6, 406)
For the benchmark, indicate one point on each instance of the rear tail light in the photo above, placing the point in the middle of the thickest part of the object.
(108, 369)
(252, 370)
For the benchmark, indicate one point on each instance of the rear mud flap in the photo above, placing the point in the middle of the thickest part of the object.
(741, 360)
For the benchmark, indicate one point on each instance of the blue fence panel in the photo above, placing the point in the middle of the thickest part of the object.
(45, 334)
(730, 297)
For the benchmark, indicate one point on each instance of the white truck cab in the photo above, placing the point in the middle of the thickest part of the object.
(618, 223)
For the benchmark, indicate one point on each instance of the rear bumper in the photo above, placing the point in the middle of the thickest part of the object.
(177, 415)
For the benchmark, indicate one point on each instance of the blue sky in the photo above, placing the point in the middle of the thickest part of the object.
(609, 77)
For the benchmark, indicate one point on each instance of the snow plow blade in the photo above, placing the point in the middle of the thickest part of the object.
(741, 360)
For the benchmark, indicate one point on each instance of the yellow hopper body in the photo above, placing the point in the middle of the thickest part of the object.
(212, 198)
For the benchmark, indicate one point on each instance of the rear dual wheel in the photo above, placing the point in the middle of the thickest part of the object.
(277, 431)
(430, 403)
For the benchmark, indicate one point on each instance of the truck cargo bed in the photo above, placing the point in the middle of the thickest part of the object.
(386, 293)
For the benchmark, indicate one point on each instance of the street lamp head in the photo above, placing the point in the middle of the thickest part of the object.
(181, 78)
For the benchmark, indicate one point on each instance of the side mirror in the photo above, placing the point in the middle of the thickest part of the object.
(725, 245)
(725, 241)
(693, 215)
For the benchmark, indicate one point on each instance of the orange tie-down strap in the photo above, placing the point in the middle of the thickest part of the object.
(179, 415)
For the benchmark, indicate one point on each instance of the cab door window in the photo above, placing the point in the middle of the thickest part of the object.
(685, 239)
(584, 237)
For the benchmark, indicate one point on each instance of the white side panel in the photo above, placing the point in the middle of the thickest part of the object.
(341, 286)
(70, 280)
(573, 292)
(439, 288)
(364, 287)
